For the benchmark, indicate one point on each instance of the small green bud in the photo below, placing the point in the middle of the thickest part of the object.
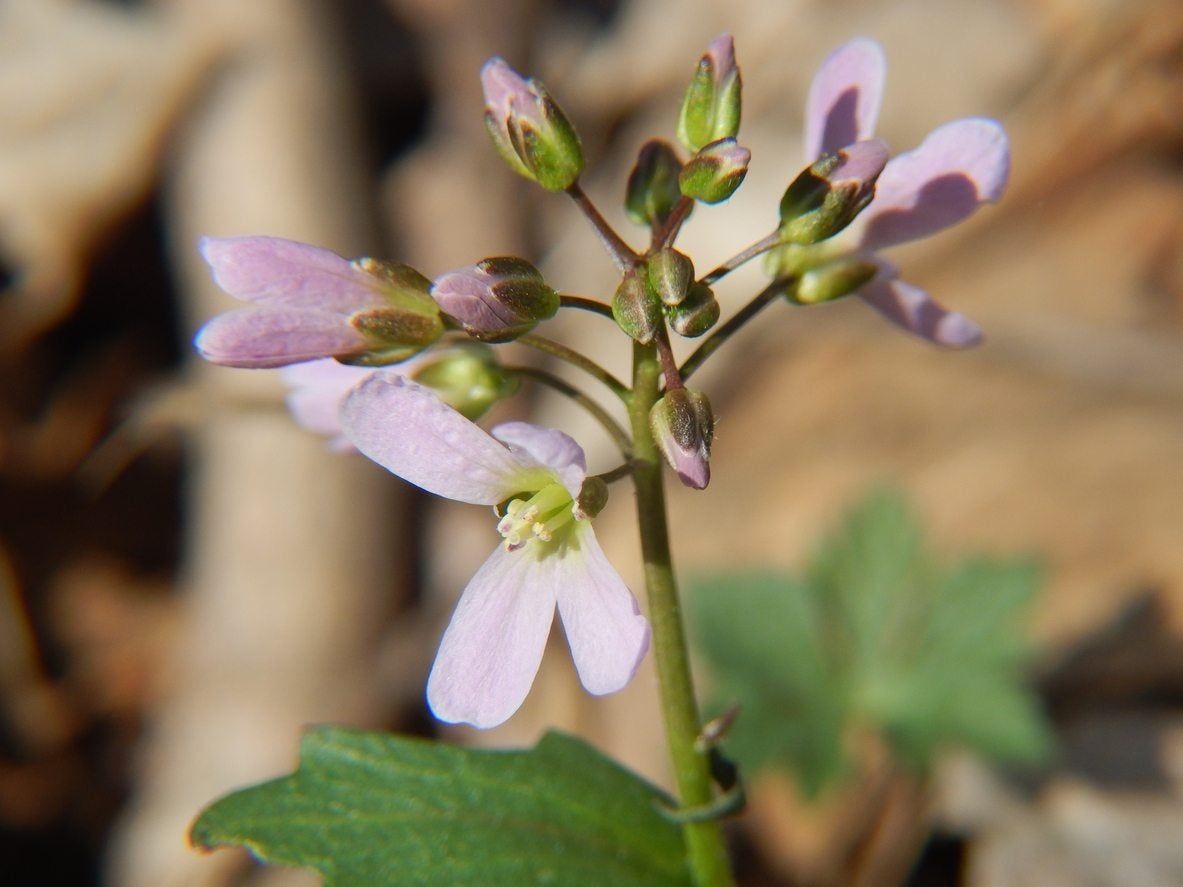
(683, 427)
(832, 281)
(637, 308)
(714, 173)
(528, 128)
(653, 184)
(696, 314)
(593, 496)
(827, 196)
(468, 378)
(670, 275)
(496, 300)
(711, 107)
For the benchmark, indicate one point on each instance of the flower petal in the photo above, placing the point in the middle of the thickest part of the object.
(273, 337)
(916, 311)
(546, 447)
(844, 98)
(959, 166)
(494, 643)
(317, 390)
(409, 431)
(274, 271)
(605, 629)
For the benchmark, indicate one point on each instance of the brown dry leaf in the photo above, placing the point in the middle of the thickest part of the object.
(87, 93)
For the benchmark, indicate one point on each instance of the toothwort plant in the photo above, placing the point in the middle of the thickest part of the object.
(398, 367)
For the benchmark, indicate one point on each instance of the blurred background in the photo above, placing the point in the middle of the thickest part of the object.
(186, 577)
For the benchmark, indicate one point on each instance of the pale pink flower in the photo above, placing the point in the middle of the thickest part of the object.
(316, 390)
(549, 554)
(957, 167)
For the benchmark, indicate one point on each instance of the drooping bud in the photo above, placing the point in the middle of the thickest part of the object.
(653, 184)
(468, 378)
(496, 300)
(832, 280)
(592, 498)
(409, 321)
(528, 129)
(670, 275)
(636, 308)
(683, 427)
(713, 174)
(711, 108)
(696, 314)
(827, 196)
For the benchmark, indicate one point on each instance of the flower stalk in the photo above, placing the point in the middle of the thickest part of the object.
(706, 850)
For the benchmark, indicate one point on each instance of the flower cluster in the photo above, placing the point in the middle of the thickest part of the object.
(384, 361)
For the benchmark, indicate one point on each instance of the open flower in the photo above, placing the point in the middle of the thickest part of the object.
(549, 554)
(957, 167)
(308, 303)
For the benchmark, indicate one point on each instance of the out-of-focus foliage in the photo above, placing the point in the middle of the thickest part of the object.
(369, 808)
(875, 636)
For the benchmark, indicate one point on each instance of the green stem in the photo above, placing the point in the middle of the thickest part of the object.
(706, 850)
(622, 254)
(757, 248)
(721, 334)
(573, 357)
(567, 300)
(614, 428)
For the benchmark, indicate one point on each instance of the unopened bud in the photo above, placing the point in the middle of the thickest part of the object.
(468, 378)
(528, 129)
(636, 308)
(832, 280)
(653, 184)
(408, 322)
(713, 174)
(592, 498)
(827, 196)
(683, 427)
(670, 275)
(696, 314)
(711, 108)
(496, 300)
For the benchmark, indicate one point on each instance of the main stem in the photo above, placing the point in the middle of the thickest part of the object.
(706, 851)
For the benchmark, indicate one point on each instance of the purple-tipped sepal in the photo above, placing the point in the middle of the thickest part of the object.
(496, 300)
(712, 105)
(683, 427)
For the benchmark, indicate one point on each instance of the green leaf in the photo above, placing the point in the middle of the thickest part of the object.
(367, 808)
(876, 635)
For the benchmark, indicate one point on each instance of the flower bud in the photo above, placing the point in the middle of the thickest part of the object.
(832, 280)
(696, 314)
(496, 300)
(528, 129)
(683, 427)
(827, 196)
(670, 275)
(713, 174)
(653, 184)
(593, 496)
(711, 108)
(636, 308)
(408, 322)
(468, 378)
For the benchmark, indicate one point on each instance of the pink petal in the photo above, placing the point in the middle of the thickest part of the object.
(604, 627)
(957, 168)
(546, 447)
(318, 389)
(409, 431)
(272, 337)
(844, 98)
(493, 645)
(274, 271)
(916, 311)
